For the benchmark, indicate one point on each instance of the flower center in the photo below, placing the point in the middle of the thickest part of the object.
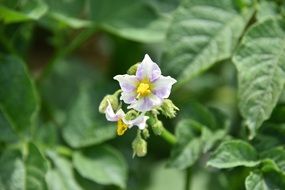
(121, 127)
(143, 89)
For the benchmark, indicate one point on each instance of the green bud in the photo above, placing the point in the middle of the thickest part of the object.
(168, 108)
(113, 99)
(133, 69)
(145, 133)
(157, 127)
(131, 115)
(139, 146)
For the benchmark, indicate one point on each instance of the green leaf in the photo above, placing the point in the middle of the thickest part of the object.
(23, 11)
(266, 10)
(80, 129)
(101, 164)
(7, 131)
(234, 153)
(75, 107)
(36, 168)
(260, 62)
(130, 19)
(12, 171)
(19, 174)
(62, 175)
(264, 181)
(202, 33)
(189, 146)
(277, 155)
(66, 13)
(19, 100)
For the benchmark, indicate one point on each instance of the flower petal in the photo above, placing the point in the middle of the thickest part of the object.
(127, 83)
(140, 121)
(146, 103)
(128, 97)
(148, 69)
(109, 113)
(162, 86)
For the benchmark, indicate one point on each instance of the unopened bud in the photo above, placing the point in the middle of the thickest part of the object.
(139, 146)
(145, 133)
(133, 69)
(168, 108)
(157, 127)
(113, 99)
(131, 115)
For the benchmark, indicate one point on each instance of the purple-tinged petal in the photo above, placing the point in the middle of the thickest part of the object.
(162, 86)
(140, 121)
(128, 97)
(146, 103)
(111, 115)
(127, 83)
(148, 69)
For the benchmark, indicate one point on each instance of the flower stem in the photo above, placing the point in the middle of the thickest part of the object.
(168, 136)
(188, 179)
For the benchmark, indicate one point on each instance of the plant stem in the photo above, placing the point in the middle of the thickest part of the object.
(168, 136)
(188, 179)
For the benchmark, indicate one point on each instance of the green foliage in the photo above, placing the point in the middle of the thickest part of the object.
(18, 109)
(234, 153)
(201, 34)
(260, 64)
(110, 165)
(58, 60)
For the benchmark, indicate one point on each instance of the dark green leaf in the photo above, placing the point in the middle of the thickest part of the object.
(71, 94)
(130, 19)
(277, 155)
(7, 131)
(189, 146)
(202, 33)
(103, 165)
(260, 62)
(19, 100)
(234, 153)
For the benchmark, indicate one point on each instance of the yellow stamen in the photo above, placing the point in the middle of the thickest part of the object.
(121, 127)
(143, 89)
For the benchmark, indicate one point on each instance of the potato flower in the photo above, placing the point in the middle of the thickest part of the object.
(122, 123)
(147, 89)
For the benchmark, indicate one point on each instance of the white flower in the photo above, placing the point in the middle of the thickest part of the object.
(122, 123)
(147, 89)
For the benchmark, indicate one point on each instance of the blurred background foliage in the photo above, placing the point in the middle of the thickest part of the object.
(57, 61)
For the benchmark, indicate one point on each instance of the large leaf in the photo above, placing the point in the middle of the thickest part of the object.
(17, 173)
(61, 176)
(22, 11)
(71, 94)
(19, 100)
(202, 33)
(266, 181)
(103, 165)
(260, 62)
(129, 19)
(234, 153)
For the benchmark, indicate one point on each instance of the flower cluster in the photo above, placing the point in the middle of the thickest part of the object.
(145, 91)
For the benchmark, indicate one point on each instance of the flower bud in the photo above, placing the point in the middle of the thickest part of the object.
(131, 115)
(168, 108)
(113, 99)
(157, 127)
(133, 69)
(145, 133)
(139, 146)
